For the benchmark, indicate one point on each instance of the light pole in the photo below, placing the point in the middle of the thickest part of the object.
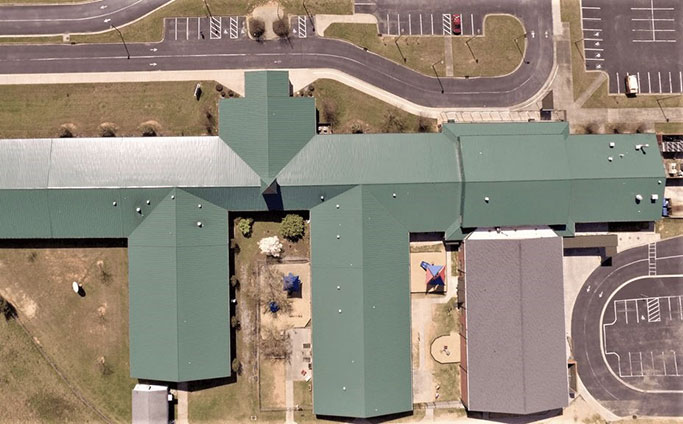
(122, 39)
(521, 53)
(399, 47)
(310, 17)
(471, 51)
(437, 75)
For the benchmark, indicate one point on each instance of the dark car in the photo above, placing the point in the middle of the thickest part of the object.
(455, 20)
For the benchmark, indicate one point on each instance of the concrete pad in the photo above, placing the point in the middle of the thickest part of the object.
(324, 21)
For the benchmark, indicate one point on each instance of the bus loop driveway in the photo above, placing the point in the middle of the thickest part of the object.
(626, 329)
(636, 37)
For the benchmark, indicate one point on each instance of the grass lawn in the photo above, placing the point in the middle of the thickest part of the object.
(303, 396)
(448, 377)
(86, 337)
(571, 12)
(669, 227)
(496, 50)
(40, 110)
(669, 127)
(356, 110)
(450, 413)
(32, 388)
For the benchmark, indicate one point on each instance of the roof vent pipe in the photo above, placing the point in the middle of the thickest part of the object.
(638, 198)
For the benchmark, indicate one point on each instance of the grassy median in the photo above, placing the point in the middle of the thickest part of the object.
(493, 54)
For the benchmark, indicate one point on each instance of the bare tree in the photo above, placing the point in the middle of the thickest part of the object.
(272, 291)
(275, 344)
(393, 123)
(423, 124)
(281, 28)
(331, 112)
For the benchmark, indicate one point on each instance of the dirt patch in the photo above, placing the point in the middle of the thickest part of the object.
(272, 383)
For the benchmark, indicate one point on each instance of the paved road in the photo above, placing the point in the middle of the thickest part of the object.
(639, 308)
(72, 18)
(191, 52)
(637, 37)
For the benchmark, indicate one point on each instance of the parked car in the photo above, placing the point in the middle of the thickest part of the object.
(631, 85)
(456, 26)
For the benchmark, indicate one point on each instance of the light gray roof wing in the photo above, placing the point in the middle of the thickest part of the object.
(123, 162)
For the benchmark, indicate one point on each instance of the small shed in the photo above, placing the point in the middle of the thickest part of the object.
(150, 404)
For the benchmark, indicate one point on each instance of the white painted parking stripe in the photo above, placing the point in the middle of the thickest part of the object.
(472, 23)
(659, 76)
(653, 30)
(675, 362)
(592, 29)
(592, 39)
(432, 18)
(670, 91)
(187, 28)
(176, 28)
(592, 19)
(655, 8)
(649, 83)
(590, 7)
(680, 87)
(619, 92)
(654, 41)
(594, 58)
(410, 25)
(420, 23)
(446, 27)
(398, 21)
(388, 25)
(595, 49)
(234, 22)
(640, 87)
(650, 19)
(199, 30)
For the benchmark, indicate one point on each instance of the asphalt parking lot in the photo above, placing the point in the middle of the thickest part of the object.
(635, 37)
(626, 331)
(434, 17)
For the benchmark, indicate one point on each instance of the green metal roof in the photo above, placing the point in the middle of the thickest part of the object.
(268, 127)
(361, 304)
(179, 311)
(386, 186)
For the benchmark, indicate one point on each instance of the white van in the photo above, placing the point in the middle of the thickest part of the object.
(631, 85)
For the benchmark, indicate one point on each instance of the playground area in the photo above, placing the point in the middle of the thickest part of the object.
(427, 260)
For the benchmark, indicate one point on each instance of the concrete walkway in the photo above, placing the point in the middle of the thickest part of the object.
(448, 54)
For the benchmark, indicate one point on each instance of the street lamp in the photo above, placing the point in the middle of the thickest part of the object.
(399, 47)
(122, 39)
(437, 75)
(521, 53)
(310, 17)
(467, 43)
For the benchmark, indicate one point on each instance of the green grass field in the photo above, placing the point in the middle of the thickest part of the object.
(86, 337)
(40, 110)
(354, 109)
(496, 51)
(669, 127)
(669, 227)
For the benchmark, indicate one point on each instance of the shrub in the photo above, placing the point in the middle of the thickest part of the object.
(65, 132)
(244, 225)
(270, 246)
(235, 323)
(236, 366)
(292, 227)
(281, 28)
(257, 28)
(234, 281)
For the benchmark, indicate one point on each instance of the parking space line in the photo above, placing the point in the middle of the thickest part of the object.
(388, 25)
(670, 91)
(593, 49)
(619, 92)
(680, 307)
(590, 7)
(472, 22)
(655, 8)
(215, 25)
(659, 76)
(654, 41)
(176, 28)
(431, 15)
(187, 28)
(649, 83)
(199, 29)
(595, 58)
(410, 25)
(664, 362)
(675, 362)
(234, 23)
(680, 87)
(398, 22)
(420, 23)
(592, 19)
(639, 86)
(446, 27)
